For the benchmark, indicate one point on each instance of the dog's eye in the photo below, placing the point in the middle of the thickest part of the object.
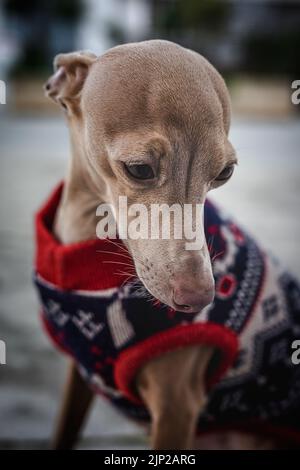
(225, 174)
(140, 171)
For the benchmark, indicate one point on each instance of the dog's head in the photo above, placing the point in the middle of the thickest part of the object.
(152, 121)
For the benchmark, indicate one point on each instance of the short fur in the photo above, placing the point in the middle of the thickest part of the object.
(156, 102)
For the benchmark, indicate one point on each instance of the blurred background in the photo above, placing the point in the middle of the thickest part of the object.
(255, 44)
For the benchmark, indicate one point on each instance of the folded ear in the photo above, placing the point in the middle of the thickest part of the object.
(70, 72)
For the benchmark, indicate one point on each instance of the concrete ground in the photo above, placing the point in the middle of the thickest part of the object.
(264, 196)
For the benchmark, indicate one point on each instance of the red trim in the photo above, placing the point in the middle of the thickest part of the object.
(76, 265)
(132, 359)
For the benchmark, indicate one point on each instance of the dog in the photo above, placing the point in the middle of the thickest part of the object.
(150, 121)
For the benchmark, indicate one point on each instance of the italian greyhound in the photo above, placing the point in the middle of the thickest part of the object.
(150, 121)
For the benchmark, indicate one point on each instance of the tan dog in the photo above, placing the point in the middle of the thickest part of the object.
(149, 121)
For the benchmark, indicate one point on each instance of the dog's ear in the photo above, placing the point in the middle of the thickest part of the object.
(70, 72)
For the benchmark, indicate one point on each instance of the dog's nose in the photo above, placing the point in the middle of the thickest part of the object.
(191, 297)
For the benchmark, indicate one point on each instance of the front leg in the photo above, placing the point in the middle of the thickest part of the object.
(173, 389)
(74, 407)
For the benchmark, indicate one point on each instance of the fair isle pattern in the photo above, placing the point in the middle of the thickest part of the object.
(248, 290)
(256, 302)
(121, 330)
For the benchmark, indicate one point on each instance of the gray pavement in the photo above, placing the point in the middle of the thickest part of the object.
(263, 195)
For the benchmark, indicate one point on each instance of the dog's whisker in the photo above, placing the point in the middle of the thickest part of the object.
(125, 273)
(129, 281)
(210, 243)
(217, 254)
(125, 251)
(117, 262)
(115, 253)
(118, 245)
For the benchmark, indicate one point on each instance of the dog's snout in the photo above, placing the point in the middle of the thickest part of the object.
(190, 295)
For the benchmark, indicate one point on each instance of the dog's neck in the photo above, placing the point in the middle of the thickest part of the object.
(75, 218)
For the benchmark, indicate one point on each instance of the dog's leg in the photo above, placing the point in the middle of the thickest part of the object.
(173, 389)
(76, 401)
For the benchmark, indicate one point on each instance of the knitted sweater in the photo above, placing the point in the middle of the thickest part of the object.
(111, 331)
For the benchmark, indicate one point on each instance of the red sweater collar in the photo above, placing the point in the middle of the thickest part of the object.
(77, 266)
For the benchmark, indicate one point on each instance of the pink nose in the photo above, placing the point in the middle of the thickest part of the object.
(192, 296)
